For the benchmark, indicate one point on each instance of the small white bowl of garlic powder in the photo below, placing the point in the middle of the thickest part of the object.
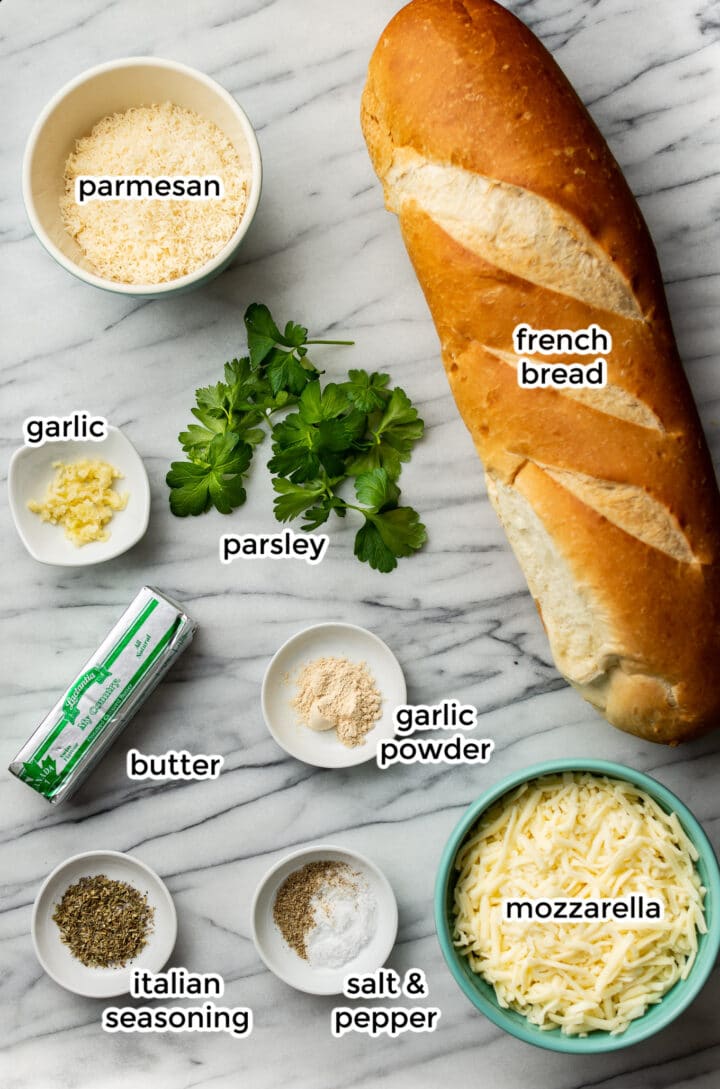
(329, 695)
(151, 119)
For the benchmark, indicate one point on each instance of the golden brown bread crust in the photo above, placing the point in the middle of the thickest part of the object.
(628, 496)
(467, 83)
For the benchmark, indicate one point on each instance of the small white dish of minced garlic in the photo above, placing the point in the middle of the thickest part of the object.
(33, 472)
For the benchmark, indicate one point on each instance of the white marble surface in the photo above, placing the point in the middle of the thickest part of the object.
(458, 616)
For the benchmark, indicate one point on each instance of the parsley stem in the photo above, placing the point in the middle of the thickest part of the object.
(329, 342)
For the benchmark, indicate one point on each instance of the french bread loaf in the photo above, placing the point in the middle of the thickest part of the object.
(513, 210)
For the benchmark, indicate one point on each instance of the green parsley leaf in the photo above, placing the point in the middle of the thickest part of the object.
(197, 438)
(263, 334)
(339, 424)
(301, 450)
(189, 492)
(238, 372)
(253, 435)
(392, 437)
(286, 372)
(216, 480)
(319, 436)
(295, 335)
(401, 530)
(294, 453)
(370, 548)
(367, 391)
(317, 516)
(376, 490)
(242, 389)
(294, 499)
(211, 399)
(389, 535)
(318, 404)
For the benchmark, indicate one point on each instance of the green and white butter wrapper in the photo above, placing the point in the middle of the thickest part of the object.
(98, 705)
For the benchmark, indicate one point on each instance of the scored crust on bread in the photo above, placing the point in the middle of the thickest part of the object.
(513, 210)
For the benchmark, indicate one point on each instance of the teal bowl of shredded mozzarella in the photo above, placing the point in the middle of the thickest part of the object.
(576, 906)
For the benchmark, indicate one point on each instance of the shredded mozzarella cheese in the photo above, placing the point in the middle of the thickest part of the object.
(578, 836)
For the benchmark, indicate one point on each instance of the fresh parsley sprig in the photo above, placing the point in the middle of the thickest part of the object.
(281, 357)
(214, 478)
(360, 429)
(330, 439)
(389, 531)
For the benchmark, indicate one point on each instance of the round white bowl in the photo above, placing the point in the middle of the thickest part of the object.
(113, 88)
(284, 961)
(323, 749)
(56, 958)
(30, 474)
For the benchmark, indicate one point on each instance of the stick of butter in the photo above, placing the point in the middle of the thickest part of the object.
(105, 695)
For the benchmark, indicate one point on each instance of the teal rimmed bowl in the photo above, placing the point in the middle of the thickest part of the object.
(482, 994)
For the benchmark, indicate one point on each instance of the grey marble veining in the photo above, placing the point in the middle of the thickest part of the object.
(324, 251)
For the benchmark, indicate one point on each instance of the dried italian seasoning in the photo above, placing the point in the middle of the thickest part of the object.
(104, 923)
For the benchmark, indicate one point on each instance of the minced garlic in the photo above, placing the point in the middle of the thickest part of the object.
(82, 499)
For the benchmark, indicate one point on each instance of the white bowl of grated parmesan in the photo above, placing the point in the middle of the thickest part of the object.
(142, 176)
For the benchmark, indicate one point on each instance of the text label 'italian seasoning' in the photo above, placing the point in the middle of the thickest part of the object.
(178, 983)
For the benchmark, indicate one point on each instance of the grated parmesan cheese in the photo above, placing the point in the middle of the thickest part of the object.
(154, 241)
(82, 499)
(578, 836)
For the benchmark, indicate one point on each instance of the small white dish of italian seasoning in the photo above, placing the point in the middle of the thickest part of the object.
(99, 915)
(322, 913)
(330, 693)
